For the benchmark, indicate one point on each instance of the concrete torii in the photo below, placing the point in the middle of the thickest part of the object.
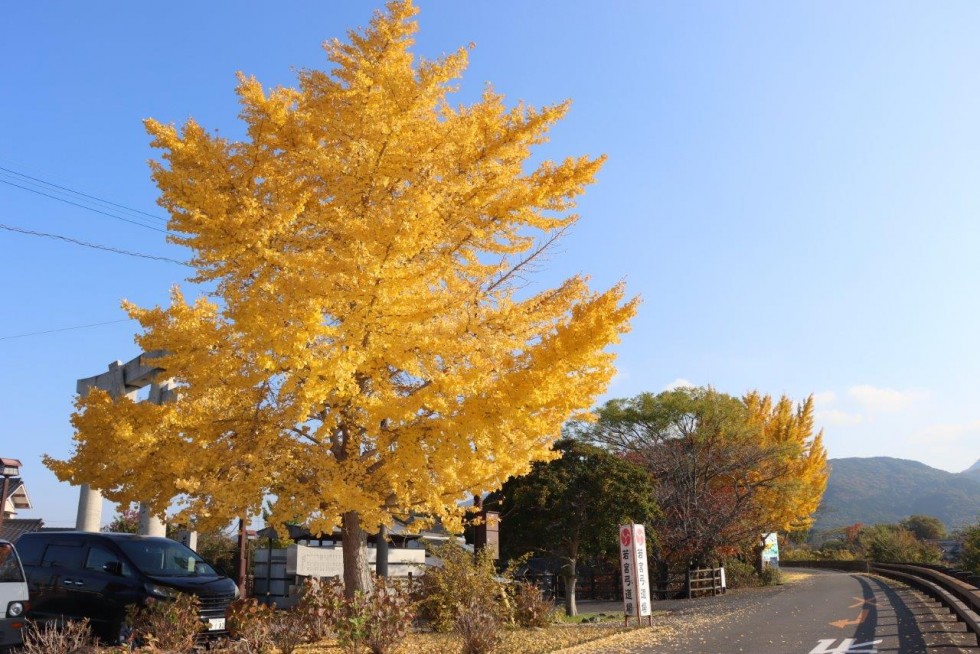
(125, 380)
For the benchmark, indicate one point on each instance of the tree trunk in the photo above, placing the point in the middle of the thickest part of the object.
(357, 574)
(570, 577)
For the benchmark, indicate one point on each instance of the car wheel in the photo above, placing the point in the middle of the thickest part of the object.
(115, 633)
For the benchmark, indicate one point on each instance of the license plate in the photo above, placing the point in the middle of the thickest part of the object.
(216, 624)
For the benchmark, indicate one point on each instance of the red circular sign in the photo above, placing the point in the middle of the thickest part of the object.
(624, 536)
(640, 536)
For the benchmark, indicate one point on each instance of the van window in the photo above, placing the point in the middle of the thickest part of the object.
(98, 556)
(9, 569)
(68, 555)
(165, 558)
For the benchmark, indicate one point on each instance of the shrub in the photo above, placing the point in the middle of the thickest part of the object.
(970, 559)
(249, 625)
(320, 601)
(287, 630)
(531, 609)
(390, 615)
(462, 581)
(478, 625)
(771, 575)
(169, 625)
(67, 638)
(739, 574)
(350, 623)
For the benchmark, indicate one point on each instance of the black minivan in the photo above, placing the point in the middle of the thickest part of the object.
(74, 575)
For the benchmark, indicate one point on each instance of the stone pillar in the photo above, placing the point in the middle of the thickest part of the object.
(150, 525)
(89, 509)
(89, 516)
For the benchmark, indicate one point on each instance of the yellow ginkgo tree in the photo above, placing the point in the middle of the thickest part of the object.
(369, 348)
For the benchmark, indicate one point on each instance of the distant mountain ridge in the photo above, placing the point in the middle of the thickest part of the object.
(886, 490)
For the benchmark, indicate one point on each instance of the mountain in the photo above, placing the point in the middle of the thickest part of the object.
(886, 490)
(973, 470)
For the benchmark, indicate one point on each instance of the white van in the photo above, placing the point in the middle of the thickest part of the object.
(13, 597)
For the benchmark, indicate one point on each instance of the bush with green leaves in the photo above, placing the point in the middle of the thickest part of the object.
(739, 574)
(970, 558)
(349, 624)
(462, 580)
(169, 625)
(771, 575)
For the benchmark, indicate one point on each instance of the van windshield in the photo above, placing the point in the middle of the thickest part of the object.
(9, 567)
(165, 558)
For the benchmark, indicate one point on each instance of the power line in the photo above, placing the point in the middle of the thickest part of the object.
(82, 206)
(84, 195)
(95, 246)
(64, 329)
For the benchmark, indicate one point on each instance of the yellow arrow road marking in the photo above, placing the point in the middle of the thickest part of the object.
(862, 602)
(840, 624)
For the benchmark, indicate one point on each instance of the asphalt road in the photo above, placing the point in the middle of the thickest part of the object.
(824, 613)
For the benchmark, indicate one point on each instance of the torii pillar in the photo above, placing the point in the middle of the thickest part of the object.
(122, 380)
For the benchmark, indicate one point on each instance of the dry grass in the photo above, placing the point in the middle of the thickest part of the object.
(794, 577)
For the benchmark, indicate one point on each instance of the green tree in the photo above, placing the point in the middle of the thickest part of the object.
(570, 508)
(925, 527)
(894, 544)
(970, 559)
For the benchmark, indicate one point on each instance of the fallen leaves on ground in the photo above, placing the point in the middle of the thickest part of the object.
(586, 639)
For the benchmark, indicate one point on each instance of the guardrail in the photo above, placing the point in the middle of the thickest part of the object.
(955, 590)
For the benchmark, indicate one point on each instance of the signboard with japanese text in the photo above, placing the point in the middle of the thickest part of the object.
(633, 565)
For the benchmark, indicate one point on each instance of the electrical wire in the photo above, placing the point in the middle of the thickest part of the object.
(96, 246)
(84, 195)
(82, 206)
(64, 329)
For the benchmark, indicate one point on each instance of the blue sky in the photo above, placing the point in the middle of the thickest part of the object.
(792, 188)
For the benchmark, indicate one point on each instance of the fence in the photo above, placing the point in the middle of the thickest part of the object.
(705, 581)
(607, 586)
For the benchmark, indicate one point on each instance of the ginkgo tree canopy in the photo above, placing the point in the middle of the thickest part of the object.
(368, 348)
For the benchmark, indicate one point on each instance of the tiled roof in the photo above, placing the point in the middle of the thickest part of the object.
(14, 528)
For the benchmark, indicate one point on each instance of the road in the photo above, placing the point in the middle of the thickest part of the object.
(823, 612)
(830, 613)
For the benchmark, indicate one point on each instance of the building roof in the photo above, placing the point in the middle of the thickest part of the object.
(14, 528)
(16, 498)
